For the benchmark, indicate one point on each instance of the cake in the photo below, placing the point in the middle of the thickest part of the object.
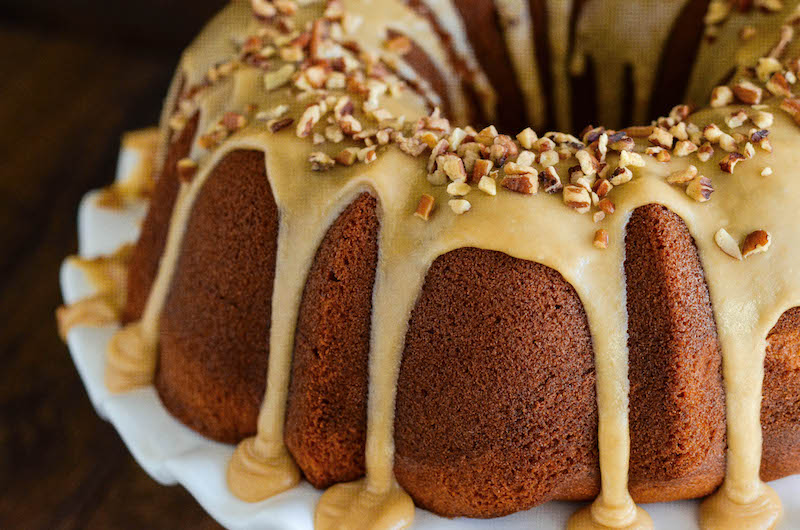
(343, 277)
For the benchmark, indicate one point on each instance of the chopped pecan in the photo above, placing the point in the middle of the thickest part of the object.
(453, 167)
(347, 157)
(526, 138)
(487, 135)
(551, 182)
(308, 120)
(792, 107)
(320, 161)
(606, 206)
(459, 206)
(589, 164)
(747, 92)
(684, 148)
(526, 183)
(728, 163)
(368, 155)
(779, 86)
(549, 158)
(601, 239)
(756, 242)
(629, 158)
(602, 187)
(700, 189)
(620, 176)
(767, 66)
(721, 96)
(425, 207)
(481, 169)
(639, 131)
(487, 185)
(278, 78)
(727, 142)
(705, 152)
(577, 198)
(661, 138)
(727, 244)
(736, 119)
(682, 176)
(458, 188)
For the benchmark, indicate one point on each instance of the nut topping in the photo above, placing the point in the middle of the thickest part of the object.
(721, 96)
(727, 244)
(278, 78)
(481, 169)
(578, 198)
(459, 206)
(589, 164)
(601, 239)
(682, 176)
(458, 188)
(736, 119)
(700, 189)
(620, 176)
(606, 206)
(320, 161)
(728, 163)
(526, 183)
(779, 86)
(661, 138)
(756, 242)
(425, 207)
(684, 148)
(705, 152)
(347, 157)
(763, 120)
(487, 185)
(526, 138)
(747, 92)
(792, 107)
(551, 182)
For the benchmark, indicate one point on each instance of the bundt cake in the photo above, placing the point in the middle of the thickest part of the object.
(348, 271)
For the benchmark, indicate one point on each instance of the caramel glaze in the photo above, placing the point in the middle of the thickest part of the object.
(153, 237)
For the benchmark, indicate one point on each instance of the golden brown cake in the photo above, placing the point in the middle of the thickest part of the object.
(347, 271)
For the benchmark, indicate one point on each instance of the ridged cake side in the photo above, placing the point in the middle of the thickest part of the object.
(153, 237)
(326, 419)
(677, 402)
(498, 351)
(216, 319)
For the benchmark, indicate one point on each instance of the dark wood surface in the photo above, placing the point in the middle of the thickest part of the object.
(75, 76)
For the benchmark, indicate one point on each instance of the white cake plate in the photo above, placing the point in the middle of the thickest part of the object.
(173, 454)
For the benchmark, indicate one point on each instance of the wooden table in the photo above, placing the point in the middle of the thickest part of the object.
(75, 76)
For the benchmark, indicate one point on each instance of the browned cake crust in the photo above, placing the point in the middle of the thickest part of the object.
(147, 253)
(457, 62)
(416, 57)
(677, 401)
(216, 319)
(326, 420)
(496, 403)
(482, 25)
(780, 405)
(675, 70)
